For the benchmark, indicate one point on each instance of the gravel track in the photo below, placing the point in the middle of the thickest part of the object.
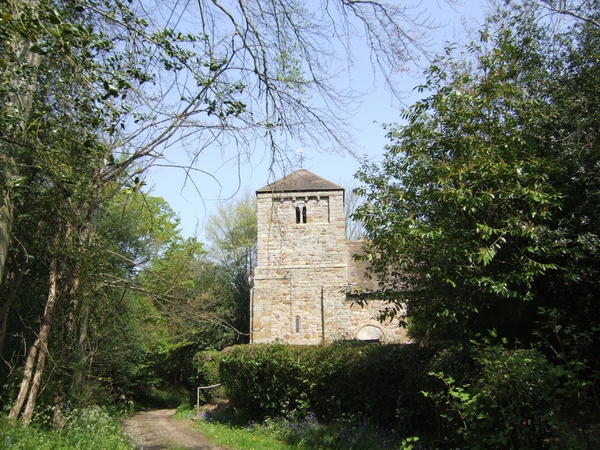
(157, 430)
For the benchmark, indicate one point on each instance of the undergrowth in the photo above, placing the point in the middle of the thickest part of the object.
(228, 428)
(87, 428)
(155, 397)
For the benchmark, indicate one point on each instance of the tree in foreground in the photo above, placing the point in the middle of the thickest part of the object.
(483, 220)
(483, 213)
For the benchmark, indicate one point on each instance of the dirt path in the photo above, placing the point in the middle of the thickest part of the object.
(157, 430)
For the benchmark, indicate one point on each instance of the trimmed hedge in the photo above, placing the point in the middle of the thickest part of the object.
(480, 396)
(381, 384)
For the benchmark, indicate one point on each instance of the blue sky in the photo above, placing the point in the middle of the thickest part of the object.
(195, 199)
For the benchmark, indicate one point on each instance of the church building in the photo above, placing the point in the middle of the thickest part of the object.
(305, 272)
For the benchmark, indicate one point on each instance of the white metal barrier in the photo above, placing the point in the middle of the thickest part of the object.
(198, 394)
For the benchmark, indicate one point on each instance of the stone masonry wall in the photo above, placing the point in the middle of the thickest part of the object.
(301, 277)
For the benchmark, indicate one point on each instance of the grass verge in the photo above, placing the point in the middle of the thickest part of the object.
(89, 428)
(226, 428)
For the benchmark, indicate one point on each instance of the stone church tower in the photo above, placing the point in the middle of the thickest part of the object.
(304, 269)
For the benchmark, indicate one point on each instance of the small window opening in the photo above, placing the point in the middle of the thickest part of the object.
(297, 324)
(301, 214)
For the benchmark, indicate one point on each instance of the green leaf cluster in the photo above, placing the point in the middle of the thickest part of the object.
(517, 400)
(485, 205)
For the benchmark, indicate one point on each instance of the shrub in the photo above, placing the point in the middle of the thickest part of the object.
(381, 384)
(265, 380)
(478, 396)
(517, 401)
(207, 367)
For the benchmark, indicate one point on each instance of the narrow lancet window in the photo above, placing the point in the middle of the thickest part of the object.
(301, 214)
(297, 324)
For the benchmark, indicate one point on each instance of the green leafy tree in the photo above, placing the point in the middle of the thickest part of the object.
(174, 301)
(232, 233)
(134, 231)
(184, 304)
(481, 211)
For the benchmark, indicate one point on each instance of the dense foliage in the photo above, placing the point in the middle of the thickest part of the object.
(482, 220)
(152, 300)
(379, 383)
(484, 209)
(478, 396)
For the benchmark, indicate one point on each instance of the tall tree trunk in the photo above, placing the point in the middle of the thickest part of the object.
(67, 344)
(77, 329)
(6, 221)
(15, 282)
(86, 237)
(58, 418)
(83, 342)
(38, 351)
(36, 382)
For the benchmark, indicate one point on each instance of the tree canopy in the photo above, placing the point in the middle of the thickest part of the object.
(482, 214)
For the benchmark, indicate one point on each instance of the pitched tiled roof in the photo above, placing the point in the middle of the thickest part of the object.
(357, 280)
(300, 181)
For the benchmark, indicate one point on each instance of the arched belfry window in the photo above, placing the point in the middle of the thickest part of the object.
(300, 213)
(297, 324)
